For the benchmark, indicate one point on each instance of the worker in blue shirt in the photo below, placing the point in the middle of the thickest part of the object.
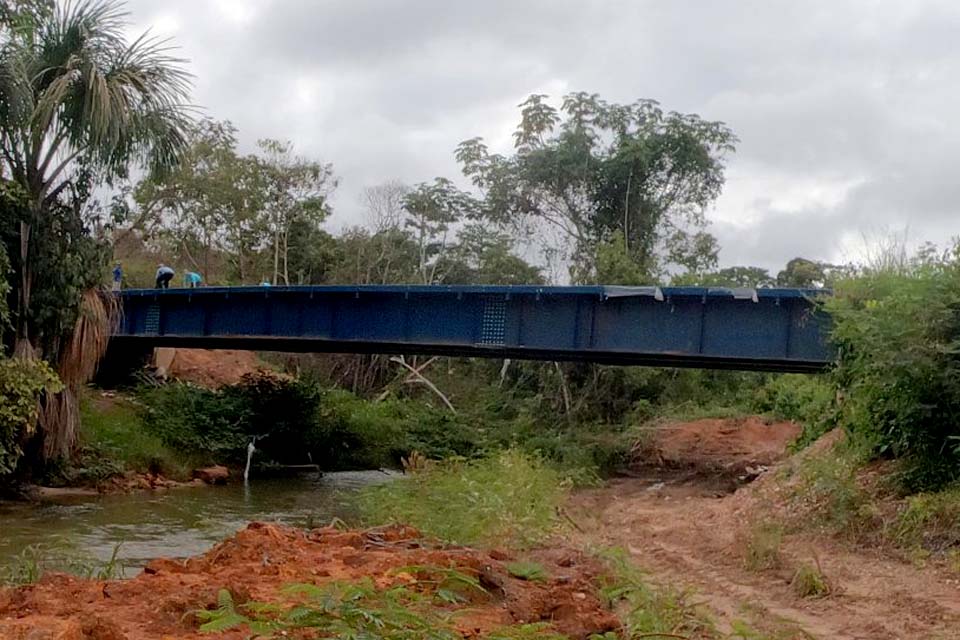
(117, 276)
(164, 276)
(192, 279)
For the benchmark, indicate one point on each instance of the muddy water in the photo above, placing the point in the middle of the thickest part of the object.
(174, 523)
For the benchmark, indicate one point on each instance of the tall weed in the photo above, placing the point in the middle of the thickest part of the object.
(510, 498)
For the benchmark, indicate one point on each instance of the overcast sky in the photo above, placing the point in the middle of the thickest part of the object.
(846, 109)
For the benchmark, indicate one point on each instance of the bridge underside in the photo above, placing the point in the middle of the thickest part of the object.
(762, 330)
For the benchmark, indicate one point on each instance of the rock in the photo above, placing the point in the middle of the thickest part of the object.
(212, 475)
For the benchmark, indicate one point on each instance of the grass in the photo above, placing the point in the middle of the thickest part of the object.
(930, 521)
(339, 610)
(508, 499)
(762, 548)
(832, 498)
(524, 570)
(30, 564)
(353, 610)
(809, 582)
(647, 610)
(831, 494)
(115, 430)
(690, 411)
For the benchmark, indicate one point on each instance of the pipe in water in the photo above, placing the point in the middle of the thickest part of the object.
(250, 449)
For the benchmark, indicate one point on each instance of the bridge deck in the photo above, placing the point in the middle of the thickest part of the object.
(763, 329)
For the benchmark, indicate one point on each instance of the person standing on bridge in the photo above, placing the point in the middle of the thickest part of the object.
(192, 279)
(117, 276)
(164, 276)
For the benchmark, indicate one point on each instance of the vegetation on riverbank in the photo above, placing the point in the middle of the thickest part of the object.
(173, 427)
(508, 499)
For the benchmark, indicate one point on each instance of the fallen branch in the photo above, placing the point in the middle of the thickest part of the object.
(415, 372)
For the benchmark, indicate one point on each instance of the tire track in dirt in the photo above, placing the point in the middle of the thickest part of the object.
(677, 528)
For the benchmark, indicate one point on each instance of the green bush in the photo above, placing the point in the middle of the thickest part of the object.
(187, 418)
(21, 383)
(898, 334)
(279, 411)
(828, 484)
(353, 433)
(293, 418)
(805, 399)
(809, 582)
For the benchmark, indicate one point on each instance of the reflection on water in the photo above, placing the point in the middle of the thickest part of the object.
(178, 522)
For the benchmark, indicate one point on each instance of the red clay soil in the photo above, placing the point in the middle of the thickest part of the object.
(715, 444)
(686, 534)
(258, 561)
(214, 369)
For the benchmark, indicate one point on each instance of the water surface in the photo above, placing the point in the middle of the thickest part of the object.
(176, 522)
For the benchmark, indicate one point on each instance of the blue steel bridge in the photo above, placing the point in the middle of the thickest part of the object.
(750, 329)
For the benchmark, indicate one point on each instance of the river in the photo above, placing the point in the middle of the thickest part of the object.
(174, 523)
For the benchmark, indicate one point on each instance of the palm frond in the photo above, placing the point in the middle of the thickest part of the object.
(78, 82)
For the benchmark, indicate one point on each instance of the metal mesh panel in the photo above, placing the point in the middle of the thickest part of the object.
(152, 320)
(492, 330)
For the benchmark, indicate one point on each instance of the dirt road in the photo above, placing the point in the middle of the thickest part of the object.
(688, 532)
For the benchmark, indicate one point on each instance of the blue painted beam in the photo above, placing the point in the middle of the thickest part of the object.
(763, 329)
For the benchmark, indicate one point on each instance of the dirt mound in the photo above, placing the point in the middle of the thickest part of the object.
(717, 445)
(214, 369)
(260, 560)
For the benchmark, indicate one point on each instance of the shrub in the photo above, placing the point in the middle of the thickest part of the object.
(205, 423)
(278, 410)
(216, 426)
(648, 611)
(809, 582)
(21, 383)
(506, 498)
(898, 334)
(828, 487)
(353, 433)
(806, 399)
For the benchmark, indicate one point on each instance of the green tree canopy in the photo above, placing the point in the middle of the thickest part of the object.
(592, 168)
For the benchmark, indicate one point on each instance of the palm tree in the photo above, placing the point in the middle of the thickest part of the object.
(74, 93)
(79, 105)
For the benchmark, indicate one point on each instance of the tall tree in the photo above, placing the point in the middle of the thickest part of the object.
(383, 204)
(210, 205)
(79, 105)
(432, 212)
(592, 168)
(78, 101)
(801, 272)
(483, 255)
(297, 190)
